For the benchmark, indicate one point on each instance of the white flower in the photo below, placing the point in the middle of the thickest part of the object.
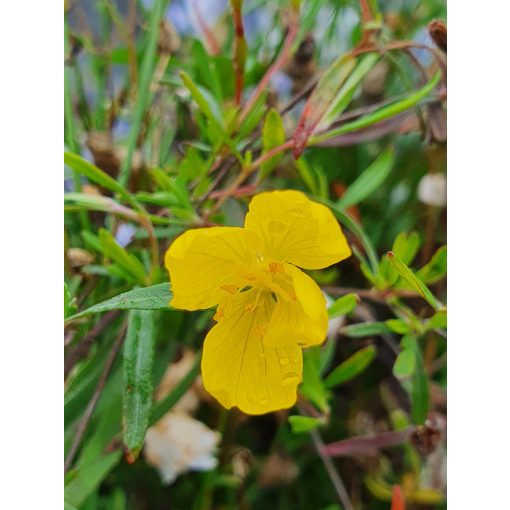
(179, 443)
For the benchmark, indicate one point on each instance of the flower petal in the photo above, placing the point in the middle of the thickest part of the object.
(294, 229)
(303, 320)
(202, 261)
(238, 369)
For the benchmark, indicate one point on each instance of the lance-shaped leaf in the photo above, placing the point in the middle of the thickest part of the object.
(351, 367)
(301, 424)
(369, 180)
(155, 297)
(365, 329)
(414, 281)
(138, 378)
(273, 135)
(385, 112)
(343, 305)
(320, 100)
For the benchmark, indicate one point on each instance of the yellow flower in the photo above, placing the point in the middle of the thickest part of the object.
(268, 309)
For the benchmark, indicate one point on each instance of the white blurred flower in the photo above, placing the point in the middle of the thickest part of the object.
(432, 190)
(188, 403)
(179, 443)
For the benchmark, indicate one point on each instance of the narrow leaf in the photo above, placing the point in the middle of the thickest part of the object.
(88, 478)
(365, 329)
(155, 297)
(414, 281)
(369, 180)
(435, 269)
(138, 385)
(405, 364)
(343, 305)
(118, 254)
(383, 113)
(419, 392)
(351, 367)
(273, 135)
(301, 424)
(95, 174)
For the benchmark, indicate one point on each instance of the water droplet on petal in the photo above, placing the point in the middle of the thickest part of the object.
(284, 361)
(297, 213)
(276, 227)
(290, 379)
(263, 401)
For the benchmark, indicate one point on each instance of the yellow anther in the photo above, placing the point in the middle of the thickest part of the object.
(249, 307)
(276, 267)
(251, 277)
(292, 295)
(260, 330)
(231, 289)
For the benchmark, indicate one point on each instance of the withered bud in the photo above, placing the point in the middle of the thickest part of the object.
(437, 30)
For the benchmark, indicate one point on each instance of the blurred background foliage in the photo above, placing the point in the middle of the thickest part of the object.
(176, 113)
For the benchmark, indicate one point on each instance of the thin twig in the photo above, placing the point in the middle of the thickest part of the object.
(278, 63)
(81, 350)
(337, 482)
(87, 415)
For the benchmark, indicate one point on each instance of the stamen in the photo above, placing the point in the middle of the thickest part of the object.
(276, 267)
(231, 289)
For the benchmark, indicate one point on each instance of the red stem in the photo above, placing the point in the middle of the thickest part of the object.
(277, 64)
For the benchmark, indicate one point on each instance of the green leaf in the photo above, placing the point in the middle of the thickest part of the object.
(419, 392)
(343, 305)
(438, 320)
(273, 135)
(365, 329)
(69, 305)
(398, 326)
(383, 113)
(155, 297)
(205, 105)
(307, 175)
(351, 367)
(300, 424)
(435, 269)
(125, 260)
(325, 94)
(414, 281)
(87, 478)
(138, 378)
(312, 386)
(370, 180)
(405, 363)
(346, 92)
(95, 174)
(406, 246)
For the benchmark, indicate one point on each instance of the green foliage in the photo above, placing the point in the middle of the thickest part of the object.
(351, 367)
(155, 297)
(181, 152)
(343, 305)
(138, 377)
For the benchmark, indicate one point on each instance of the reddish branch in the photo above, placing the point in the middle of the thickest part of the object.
(239, 49)
(277, 64)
